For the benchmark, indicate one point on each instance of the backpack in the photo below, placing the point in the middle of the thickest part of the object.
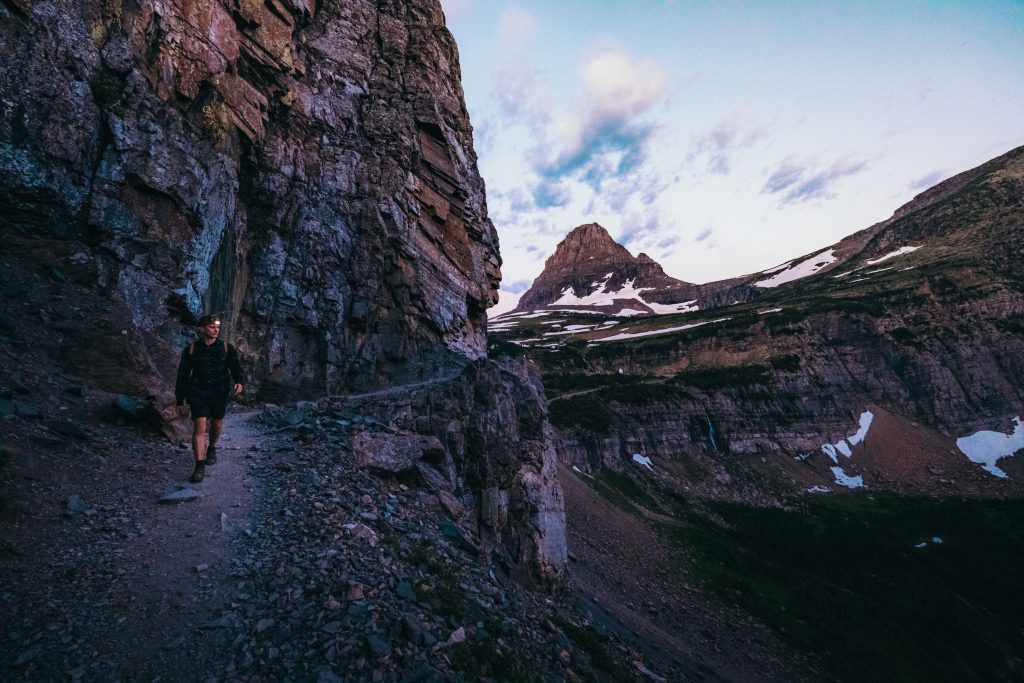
(227, 349)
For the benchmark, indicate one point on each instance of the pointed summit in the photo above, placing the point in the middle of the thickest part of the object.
(590, 270)
(588, 241)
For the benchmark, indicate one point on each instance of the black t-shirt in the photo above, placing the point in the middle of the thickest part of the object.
(210, 368)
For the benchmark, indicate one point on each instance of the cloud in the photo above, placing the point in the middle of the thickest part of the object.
(455, 9)
(704, 235)
(517, 287)
(720, 142)
(801, 179)
(609, 138)
(924, 182)
(642, 230)
(516, 27)
(551, 193)
(515, 89)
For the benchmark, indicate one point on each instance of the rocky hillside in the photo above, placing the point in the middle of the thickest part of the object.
(304, 169)
(875, 362)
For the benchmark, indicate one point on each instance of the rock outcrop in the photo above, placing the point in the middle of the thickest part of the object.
(304, 169)
(483, 443)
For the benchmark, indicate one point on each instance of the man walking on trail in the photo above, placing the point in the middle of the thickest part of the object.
(208, 375)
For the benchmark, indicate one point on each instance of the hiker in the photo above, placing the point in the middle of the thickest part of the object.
(208, 376)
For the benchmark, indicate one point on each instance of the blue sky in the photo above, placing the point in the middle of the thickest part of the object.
(722, 138)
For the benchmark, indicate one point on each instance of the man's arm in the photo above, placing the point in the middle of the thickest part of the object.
(184, 373)
(235, 368)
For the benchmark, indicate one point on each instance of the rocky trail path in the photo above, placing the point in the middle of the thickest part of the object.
(120, 588)
(289, 563)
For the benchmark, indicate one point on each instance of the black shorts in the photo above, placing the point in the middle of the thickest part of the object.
(211, 404)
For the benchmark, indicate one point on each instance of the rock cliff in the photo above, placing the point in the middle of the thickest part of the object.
(304, 169)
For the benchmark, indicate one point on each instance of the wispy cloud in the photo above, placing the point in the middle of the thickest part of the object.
(609, 138)
(803, 179)
(926, 181)
(454, 9)
(517, 94)
(704, 235)
(516, 287)
(721, 142)
(516, 27)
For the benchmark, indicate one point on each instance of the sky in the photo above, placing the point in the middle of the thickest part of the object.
(724, 138)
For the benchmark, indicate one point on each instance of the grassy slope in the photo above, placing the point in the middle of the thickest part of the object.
(840, 577)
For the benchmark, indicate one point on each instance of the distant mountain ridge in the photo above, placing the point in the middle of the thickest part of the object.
(589, 270)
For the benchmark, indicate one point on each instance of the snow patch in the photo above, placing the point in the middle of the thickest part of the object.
(643, 460)
(664, 330)
(865, 424)
(891, 254)
(986, 448)
(602, 296)
(843, 479)
(800, 270)
(770, 310)
(523, 314)
(819, 489)
(627, 312)
(832, 450)
(577, 470)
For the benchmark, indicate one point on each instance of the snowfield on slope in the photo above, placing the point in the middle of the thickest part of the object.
(892, 254)
(986, 448)
(843, 447)
(602, 296)
(649, 333)
(800, 270)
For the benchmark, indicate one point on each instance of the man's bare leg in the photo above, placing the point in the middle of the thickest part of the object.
(199, 438)
(216, 427)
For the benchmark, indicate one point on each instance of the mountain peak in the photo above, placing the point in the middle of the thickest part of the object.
(590, 269)
(587, 241)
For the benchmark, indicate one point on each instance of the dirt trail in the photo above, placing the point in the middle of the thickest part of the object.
(184, 558)
(128, 589)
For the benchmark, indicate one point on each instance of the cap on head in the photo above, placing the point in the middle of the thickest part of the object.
(207, 319)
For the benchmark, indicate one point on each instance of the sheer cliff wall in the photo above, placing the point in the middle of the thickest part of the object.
(305, 169)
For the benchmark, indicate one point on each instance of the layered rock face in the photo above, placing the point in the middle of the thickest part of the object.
(483, 442)
(304, 169)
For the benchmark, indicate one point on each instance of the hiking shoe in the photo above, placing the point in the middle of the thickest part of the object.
(198, 472)
(211, 455)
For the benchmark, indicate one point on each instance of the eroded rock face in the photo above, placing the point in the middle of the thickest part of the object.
(483, 440)
(304, 169)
